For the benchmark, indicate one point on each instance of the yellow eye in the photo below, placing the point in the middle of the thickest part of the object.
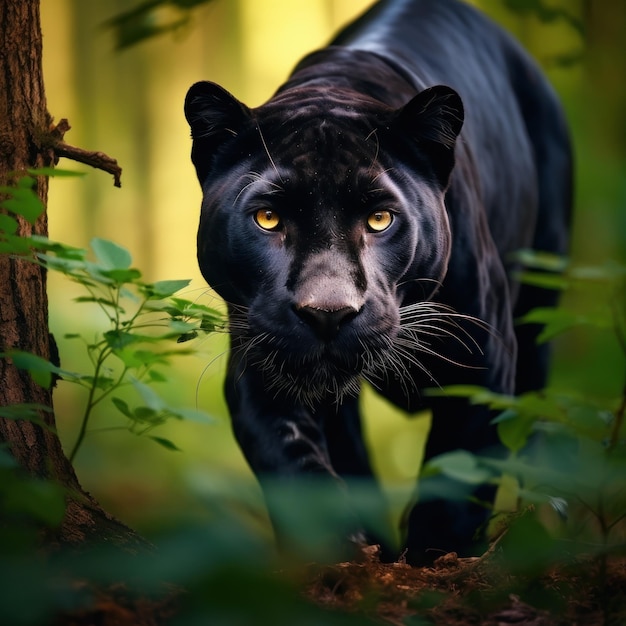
(379, 221)
(267, 219)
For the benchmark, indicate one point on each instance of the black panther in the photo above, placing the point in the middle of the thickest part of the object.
(361, 225)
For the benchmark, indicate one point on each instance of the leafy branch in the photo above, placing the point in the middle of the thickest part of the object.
(151, 18)
(146, 321)
(565, 451)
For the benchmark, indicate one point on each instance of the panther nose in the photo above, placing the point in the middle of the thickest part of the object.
(325, 323)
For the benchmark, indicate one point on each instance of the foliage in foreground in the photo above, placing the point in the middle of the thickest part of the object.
(567, 451)
(571, 477)
(145, 322)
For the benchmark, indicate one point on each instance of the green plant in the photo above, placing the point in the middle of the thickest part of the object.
(566, 449)
(146, 321)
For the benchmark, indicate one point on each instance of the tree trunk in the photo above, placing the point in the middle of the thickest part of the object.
(24, 122)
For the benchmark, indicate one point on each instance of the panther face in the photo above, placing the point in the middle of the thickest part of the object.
(324, 228)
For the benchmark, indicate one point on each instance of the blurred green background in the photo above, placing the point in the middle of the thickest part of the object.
(128, 103)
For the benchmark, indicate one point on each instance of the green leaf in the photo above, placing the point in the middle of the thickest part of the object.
(122, 407)
(150, 358)
(199, 311)
(7, 460)
(110, 255)
(608, 272)
(23, 411)
(42, 499)
(129, 357)
(54, 172)
(180, 327)
(71, 267)
(540, 405)
(26, 182)
(209, 324)
(152, 399)
(156, 377)
(102, 301)
(166, 443)
(590, 421)
(144, 21)
(26, 411)
(22, 201)
(541, 260)
(157, 410)
(459, 465)
(60, 249)
(527, 546)
(476, 395)
(129, 294)
(513, 429)
(139, 358)
(145, 414)
(187, 337)
(39, 368)
(557, 321)
(101, 382)
(164, 288)
(91, 274)
(8, 224)
(193, 415)
(119, 339)
(166, 307)
(455, 391)
(122, 276)
(15, 245)
(541, 279)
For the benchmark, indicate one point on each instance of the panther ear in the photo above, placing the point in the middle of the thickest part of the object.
(214, 116)
(434, 119)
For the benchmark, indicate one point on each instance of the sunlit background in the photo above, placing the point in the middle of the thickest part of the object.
(128, 104)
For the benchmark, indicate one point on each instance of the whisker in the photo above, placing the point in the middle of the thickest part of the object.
(374, 162)
(406, 357)
(269, 156)
(382, 172)
(411, 358)
(439, 332)
(256, 177)
(420, 280)
(205, 369)
(425, 348)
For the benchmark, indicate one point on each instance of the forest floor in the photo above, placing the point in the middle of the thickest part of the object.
(476, 591)
(453, 592)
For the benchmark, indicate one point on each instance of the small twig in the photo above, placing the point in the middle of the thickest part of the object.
(99, 160)
(469, 565)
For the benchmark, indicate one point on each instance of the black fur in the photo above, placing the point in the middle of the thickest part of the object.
(424, 109)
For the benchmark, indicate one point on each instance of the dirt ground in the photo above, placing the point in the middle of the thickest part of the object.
(454, 592)
(476, 591)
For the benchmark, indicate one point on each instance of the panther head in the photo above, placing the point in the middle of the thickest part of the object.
(323, 226)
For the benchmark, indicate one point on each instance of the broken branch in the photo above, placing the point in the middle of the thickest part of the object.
(99, 160)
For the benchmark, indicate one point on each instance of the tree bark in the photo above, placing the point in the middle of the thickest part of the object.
(24, 122)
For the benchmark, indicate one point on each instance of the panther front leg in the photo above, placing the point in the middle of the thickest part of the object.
(287, 449)
(277, 437)
(450, 515)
